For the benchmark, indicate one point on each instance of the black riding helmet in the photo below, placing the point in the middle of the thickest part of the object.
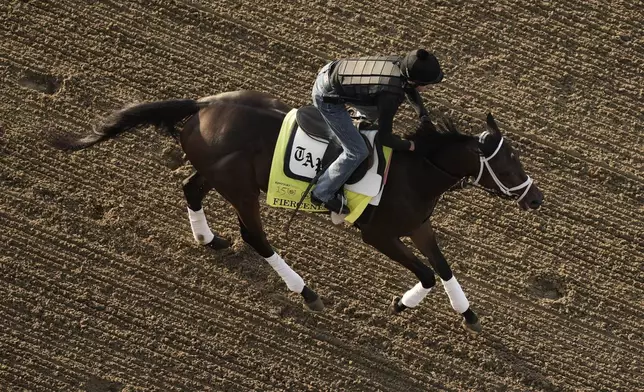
(421, 67)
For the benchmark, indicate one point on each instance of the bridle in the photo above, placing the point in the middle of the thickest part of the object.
(502, 191)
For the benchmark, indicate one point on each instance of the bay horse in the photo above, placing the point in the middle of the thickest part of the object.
(229, 139)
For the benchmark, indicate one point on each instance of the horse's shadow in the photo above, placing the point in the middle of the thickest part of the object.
(241, 260)
(529, 374)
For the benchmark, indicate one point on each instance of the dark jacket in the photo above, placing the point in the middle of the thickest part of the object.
(377, 82)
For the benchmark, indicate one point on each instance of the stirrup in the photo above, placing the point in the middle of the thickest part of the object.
(332, 205)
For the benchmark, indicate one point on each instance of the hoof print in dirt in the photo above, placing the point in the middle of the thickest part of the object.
(97, 211)
(43, 83)
(547, 285)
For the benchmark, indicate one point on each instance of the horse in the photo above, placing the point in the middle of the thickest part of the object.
(229, 139)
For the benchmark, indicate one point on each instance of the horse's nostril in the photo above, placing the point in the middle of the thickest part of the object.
(535, 203)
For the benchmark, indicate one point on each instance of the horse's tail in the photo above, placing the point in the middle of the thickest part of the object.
(161, 113)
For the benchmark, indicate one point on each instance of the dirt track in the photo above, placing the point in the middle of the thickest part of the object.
(102, 287)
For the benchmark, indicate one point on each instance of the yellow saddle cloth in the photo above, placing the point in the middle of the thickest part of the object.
(286, 192)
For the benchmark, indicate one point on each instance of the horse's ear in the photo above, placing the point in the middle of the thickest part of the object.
(492, 125)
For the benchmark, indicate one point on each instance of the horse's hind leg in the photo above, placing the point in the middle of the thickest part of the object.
(235, 180)
(195, 188)
(253, 234)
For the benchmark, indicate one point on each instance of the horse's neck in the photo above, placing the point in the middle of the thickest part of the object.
(446, 168)
(426, 179)
(459, 160)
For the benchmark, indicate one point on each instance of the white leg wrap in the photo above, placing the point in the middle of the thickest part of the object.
(456, 295)
(199, 225)
(413, 296)
(294, 282)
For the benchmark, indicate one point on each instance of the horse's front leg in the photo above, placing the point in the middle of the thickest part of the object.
(393, 248)
(425, 240)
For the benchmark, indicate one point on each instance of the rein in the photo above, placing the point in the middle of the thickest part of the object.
(464, 183)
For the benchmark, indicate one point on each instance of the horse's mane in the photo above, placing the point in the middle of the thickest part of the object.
(432, 138)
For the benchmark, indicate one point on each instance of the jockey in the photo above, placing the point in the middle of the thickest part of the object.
(376, 86)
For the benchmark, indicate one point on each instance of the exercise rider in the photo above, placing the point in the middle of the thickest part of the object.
(376, 86)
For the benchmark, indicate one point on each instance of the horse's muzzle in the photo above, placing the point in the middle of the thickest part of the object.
(533, 200)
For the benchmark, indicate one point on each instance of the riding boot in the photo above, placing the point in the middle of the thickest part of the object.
(336, 204)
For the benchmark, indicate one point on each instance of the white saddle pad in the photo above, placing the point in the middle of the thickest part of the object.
(306, 158)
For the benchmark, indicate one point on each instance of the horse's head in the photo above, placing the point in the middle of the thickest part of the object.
(501, 171)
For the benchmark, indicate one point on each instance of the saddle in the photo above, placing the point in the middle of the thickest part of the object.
(298, 157)
(312, 123)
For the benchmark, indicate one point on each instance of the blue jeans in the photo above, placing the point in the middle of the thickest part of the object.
(354, 148)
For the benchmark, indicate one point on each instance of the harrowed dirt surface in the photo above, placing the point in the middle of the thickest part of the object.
(102, 287)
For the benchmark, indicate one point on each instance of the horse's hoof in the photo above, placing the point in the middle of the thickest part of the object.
(396, 307)
(474, 328)
(218, 243)
(312, 300)
(316, 306)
